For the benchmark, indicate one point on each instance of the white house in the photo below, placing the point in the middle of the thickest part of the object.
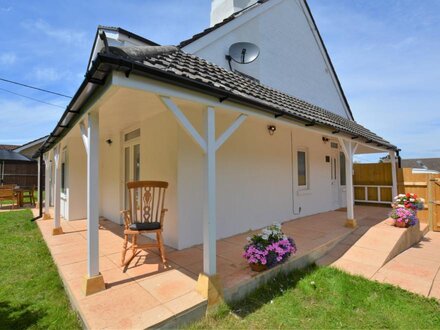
(241, 145)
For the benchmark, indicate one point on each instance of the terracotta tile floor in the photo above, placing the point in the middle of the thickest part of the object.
(150, 292)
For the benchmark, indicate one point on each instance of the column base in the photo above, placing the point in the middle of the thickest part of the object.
(57, 231)
(46, 216)
(209, 286)
(93, 284)
(351, 223)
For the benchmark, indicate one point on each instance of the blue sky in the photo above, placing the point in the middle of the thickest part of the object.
(386, 54)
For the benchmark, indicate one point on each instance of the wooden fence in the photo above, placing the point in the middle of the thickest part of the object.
(23, 174)
(373, 184)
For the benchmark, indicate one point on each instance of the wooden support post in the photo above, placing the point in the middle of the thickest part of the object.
(393, 173)
(94, 281)
(209, 283)
(349, 148)
(57, 230)
(46, 215)
(209, 218)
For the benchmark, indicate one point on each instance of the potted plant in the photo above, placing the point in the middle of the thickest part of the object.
(269, 248)
(408, 201)
(404, 217)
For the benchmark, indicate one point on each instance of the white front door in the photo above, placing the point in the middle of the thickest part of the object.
(132, 160)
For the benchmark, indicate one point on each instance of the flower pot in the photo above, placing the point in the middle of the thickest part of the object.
(400, 224)
(258, 267)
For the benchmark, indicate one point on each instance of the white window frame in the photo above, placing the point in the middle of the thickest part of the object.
(306, 187)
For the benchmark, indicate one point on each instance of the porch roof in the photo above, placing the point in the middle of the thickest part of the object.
(172, 65)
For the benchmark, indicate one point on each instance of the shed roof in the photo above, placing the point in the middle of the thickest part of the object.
(9, 155)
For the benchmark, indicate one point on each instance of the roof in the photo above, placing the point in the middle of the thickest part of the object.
(9, 155)
(8, 146)
(172, 65)
(30, 144)
(128, 34)
(424, 163)
(255, 5)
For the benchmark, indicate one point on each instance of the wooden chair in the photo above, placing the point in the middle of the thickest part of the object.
(146, 214)
(8, 195)
(29, 194)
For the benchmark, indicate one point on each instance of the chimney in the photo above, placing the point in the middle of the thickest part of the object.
(221, 9)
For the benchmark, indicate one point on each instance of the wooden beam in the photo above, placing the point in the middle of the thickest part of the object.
(230, 130)
(184, 122)
(84, 136)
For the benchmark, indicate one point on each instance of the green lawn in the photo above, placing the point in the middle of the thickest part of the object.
(31, 292)
(324, 297)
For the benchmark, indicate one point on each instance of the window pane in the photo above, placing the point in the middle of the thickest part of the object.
(136, 162)
(302, 174)
(132, 135)
(127, 173)
(342, 168)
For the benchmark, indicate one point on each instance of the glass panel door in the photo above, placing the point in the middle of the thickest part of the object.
(132, 162)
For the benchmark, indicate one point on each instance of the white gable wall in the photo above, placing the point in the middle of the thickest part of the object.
(291, 58)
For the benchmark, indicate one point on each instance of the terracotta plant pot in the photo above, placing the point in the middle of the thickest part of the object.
(258, 267)
(400, 224)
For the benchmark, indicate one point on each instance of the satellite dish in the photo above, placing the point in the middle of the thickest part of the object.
(244, 52)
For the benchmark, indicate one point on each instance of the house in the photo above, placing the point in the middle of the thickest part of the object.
(17, 165)
(241, 145)
(431, 165)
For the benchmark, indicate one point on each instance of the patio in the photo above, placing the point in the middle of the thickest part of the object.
(158, 294)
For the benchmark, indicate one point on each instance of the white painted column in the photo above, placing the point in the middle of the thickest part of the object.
(93, 194)
(57, 189)
(46, 186)
(350, 189)
(393, 173)
(210, 205)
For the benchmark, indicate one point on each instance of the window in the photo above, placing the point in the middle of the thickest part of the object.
(302, 168)
(342, 168)
(132, 135)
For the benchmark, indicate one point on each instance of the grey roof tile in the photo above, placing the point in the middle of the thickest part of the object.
(192, 67)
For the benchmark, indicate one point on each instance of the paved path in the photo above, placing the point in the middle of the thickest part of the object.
(416, 269)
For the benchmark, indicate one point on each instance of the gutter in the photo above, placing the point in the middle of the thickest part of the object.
(128, 67)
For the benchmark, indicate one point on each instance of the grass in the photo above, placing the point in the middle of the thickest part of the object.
(325, 297)
(31, 293)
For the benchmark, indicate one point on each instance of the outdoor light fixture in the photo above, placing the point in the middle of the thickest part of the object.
(271, 129)
(109, 142)
(324, 139)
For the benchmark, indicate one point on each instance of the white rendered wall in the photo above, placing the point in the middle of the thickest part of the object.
(158, 162)
(290, 58)
(254, 178)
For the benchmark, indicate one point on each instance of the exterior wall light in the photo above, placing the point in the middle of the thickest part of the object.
(109, 142)
(325, 139)
(271, 129)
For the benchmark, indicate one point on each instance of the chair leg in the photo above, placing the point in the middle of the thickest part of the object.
(124, 250)
(161, 247)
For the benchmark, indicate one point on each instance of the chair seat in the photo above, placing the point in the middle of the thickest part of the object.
(145, 226)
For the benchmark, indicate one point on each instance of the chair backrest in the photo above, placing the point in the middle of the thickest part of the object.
(7, 193)
(146, 200)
